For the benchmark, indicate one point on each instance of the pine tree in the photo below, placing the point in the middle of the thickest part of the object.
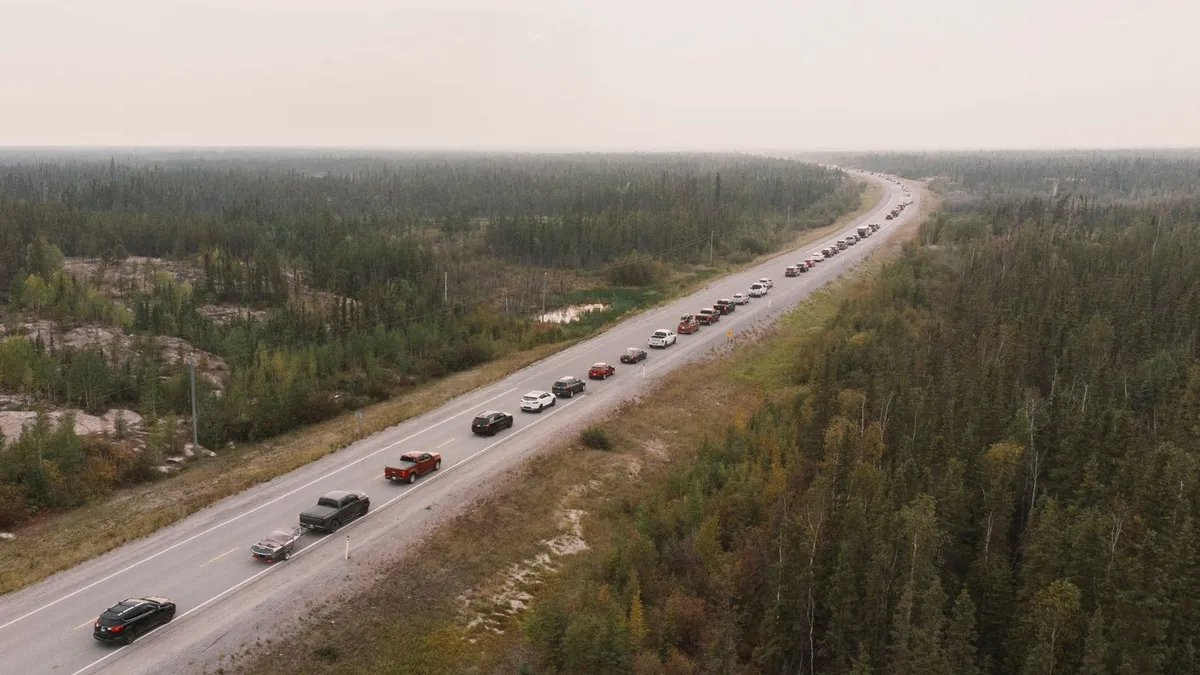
(960, 637)
(1095, 647)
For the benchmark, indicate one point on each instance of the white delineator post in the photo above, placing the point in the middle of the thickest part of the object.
(347, 547)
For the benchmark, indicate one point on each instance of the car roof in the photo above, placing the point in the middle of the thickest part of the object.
(336, 494)
(599, 364)
(413, 454)
(567, 378)
(536, 393)
(634, 349)
(488, 413)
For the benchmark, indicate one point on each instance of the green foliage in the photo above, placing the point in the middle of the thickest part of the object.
(596, 439)
(634, 269)
(1010, 412)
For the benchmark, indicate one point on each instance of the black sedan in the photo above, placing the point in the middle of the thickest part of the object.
(633, 355)
(128, 620)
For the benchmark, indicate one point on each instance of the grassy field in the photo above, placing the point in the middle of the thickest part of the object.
(480, 571)
(60, 541)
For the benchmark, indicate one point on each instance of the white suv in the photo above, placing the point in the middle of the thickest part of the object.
(537, 401)
(757, 290)
(766, 282)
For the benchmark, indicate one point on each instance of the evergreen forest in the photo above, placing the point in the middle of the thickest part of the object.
(991, 462)
(341, 279)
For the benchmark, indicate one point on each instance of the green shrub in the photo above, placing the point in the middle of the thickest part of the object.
(596, 439)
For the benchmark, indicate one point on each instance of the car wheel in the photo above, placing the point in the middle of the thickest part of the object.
(437, 465)
(570, 393)
(287, 555)
(334, 527)
(127, 639)
(552, 402)
(412, 477)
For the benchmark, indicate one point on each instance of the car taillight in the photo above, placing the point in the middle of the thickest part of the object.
(117, 628)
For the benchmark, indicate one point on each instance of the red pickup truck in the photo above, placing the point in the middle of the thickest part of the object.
(688, 324)
(413, 465)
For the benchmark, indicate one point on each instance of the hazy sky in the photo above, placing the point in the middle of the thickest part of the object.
(601, 74)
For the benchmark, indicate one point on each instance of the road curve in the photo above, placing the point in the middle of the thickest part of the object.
(203, 562)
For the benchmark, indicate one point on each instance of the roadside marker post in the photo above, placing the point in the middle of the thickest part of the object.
(347, 547)
(643, 372)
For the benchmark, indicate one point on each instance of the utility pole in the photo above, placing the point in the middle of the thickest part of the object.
(195, 426)
(545, 280)
(711, 236)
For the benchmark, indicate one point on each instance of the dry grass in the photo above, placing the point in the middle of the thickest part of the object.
(481, 569)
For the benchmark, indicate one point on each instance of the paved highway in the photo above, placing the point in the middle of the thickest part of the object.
(224, 597)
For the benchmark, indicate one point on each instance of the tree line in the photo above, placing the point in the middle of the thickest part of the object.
(991, 466)
(360, 276)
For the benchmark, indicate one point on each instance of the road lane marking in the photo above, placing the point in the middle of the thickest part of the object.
(221, 556)
(89, 622)
(444, 444)
(246, 513)
(322, 540)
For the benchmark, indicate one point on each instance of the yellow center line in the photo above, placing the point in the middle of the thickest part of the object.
(89, 622)
(220, 556)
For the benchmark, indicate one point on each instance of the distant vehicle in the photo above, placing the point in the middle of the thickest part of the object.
(662, 338)
(757, 290)
(413, 465)
(688, 324)
(817, 256)
(803, 266)
(725, 306)
(567, 386)
(888, 216)
(864, 231)
(874, 227)
(766, 282)
(841, 244)
(810, 263)
(791, 271)
(633, 355)
(276, 546)
(490, 422)
(537, 401)
(129, 619)
(601, 371)
(334, 510)
(826, 253)
(708, 316)
(741, 298)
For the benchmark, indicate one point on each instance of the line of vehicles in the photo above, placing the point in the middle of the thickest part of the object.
(134, 617)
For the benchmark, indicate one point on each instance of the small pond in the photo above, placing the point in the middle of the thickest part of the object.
(570, 313)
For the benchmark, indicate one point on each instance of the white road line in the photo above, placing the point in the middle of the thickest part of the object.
(219, 557)
(243, 514)
(444, 444)
(322, 540)
(89, 622)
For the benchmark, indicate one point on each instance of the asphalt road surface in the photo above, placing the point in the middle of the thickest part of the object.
(203, 562)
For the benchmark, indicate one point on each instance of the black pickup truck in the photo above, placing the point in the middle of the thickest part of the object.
(334, 510)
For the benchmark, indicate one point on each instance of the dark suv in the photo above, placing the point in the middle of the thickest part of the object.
(568, 386)
(490, 422)
(127, 620)
(724, 306)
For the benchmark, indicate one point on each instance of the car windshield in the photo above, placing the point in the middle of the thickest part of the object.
(481, 420)
(599, 365)
(529, 397)
(410, 460)
(660, 333)
(566, 380)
